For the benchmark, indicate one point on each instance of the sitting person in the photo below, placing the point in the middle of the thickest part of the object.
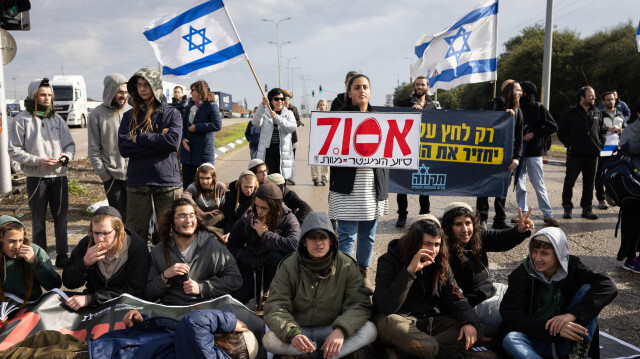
(191, 265)
(421, 310)
(109, 261)
(258, 167)
(318, 279)
(266, 233)
(553, 301)
(206, 193)
(24, 266)
(199, 334)
(468, 247)
(237, 201)
(290, 198)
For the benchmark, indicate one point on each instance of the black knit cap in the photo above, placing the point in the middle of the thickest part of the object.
(528, 87)
(108, 210)
(269, 190)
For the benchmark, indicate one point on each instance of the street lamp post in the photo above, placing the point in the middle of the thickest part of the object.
(277, 23)
(15, 97)
(288, 67)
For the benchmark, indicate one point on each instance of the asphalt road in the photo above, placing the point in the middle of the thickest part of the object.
(592, 241)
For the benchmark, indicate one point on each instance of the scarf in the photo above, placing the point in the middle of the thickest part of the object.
(43, 111)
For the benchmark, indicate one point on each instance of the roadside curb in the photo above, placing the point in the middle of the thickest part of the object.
(230, 146)
(553, 162)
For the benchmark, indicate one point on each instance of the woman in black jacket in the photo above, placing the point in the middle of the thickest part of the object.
(109, 261)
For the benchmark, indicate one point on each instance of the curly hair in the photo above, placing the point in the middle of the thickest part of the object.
(196, 182)
(166, 224)
(117, 225)
(411, 242)
(202, 87)
(152, 105)
(275, 211)
(475, 243)
(27, 275)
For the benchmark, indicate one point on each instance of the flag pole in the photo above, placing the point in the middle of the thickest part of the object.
(246, 56)
(495, 83)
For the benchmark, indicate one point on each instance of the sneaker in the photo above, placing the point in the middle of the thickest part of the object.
(586, 213)
(316, 182)
(402, 221)
(632, 265)
(515, 219)
(323, 182)
(552, 222)
(62, 260)
(567, 213)
(500, 225)
(602, 205)
(579, 350)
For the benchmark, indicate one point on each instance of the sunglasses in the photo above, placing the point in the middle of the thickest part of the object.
(278, 99)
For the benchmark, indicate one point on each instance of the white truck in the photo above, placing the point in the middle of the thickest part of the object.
(70, 99)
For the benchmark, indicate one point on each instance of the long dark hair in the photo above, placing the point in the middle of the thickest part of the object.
(203, 89)
(510, 101)
(275, 211)
(348, 104)
(411, 242)
(152, 105)
(27, 275)
(206, 170)
(475, 243)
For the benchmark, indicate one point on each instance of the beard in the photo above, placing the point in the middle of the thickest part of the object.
(116, 104)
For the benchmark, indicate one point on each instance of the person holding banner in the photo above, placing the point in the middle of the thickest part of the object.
(199, 125)
(276, 123)
(358, 196)
(509, 102)
(468, 248)
(24, 266)
(191, 265)
(109, 261)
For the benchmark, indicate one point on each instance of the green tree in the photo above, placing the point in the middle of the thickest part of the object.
(401, 92)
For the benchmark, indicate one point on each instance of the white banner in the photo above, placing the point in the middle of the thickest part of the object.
(365, 139)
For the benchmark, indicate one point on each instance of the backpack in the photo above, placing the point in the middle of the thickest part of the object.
(621, 182)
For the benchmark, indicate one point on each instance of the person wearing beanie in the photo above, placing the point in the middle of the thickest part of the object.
(207, 193)
(25, 268)
(468, 247)
(318, 301)
(149, 136)
(265, 234)
(537, 129)
(103, 151)
(109, 261)
(418, 307)
(508, 102)
(277, 123)
(290, 198)
(237, 200)
(258, 167)
(40, 140)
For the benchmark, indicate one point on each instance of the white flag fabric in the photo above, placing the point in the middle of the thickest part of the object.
(463, 53)
(195, 41)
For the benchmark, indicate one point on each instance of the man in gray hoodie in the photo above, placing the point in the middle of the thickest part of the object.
(40, 140)
(104, 154)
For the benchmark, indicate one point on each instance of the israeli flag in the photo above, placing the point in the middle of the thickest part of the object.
(463, 53)
(195, 41)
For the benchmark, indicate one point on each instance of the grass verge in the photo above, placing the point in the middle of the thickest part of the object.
(230, 134)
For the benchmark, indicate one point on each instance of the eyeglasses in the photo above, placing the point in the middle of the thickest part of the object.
(139, 86)
(184, 216)
(278, 99)
(262, 172)
(122, 93)
(95, 234)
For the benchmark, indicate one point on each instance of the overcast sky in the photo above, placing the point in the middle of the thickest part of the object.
(328, 38)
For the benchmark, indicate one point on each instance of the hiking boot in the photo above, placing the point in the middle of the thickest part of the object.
(62, 260)
(516, 219)
(586, 213)
(579, 350)
(567, 213)
(551, 222)
(632, 265)
(402, 221)
(367, 284)
(500, 224)
(602, 205)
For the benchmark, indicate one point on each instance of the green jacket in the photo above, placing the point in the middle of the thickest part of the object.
(300, 297)
(43, 274)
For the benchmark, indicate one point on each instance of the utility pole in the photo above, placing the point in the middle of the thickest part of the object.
(546, 59)
(277, 23)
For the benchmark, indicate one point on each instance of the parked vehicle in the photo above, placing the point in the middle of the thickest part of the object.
(70, 99)
(223, 100)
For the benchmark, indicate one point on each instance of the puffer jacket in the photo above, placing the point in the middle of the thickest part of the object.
(153, 159)
(201, 142)
(250, 250)
(286, 125)
(302, 295)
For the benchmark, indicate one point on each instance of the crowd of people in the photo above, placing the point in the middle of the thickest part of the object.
(255, 239)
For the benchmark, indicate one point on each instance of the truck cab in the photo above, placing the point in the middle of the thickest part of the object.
(70, 99)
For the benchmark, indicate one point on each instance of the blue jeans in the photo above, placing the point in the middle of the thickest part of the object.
(54, 192)
(489, 311)
(365, 232)
(536, 176)
(519, 345)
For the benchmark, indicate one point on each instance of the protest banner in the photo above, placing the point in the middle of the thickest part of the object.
(50, 313)
(365, 139)
(462, 153)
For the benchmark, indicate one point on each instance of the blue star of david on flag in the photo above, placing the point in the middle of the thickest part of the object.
(189, 39)
(462, 33)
